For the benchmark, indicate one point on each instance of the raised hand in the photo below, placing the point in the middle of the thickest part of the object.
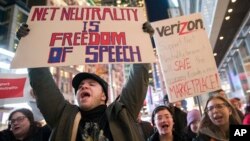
(22, 31)
(146, 27)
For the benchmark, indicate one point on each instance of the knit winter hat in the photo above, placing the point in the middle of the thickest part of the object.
(193, 115)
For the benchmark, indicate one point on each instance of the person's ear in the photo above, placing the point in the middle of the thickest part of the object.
(103, 96)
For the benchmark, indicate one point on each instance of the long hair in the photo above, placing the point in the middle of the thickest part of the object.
(233, 118)
(27, 113)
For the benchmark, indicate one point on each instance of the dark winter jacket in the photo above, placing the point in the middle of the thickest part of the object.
(155, 137)
(37, 134)
(180, 120)
(189, 135)
(206, 134)
(146, 128)
(64, 117)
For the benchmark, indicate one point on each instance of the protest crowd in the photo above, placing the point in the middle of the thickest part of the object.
(96, 115)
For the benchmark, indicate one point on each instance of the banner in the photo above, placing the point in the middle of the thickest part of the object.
(10, 88)
(72, 35)
(186, 57)
(14, 88)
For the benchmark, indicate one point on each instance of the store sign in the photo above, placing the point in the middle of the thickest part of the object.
(72, 35)
(10, 88)
(186, 57)
(14, 88)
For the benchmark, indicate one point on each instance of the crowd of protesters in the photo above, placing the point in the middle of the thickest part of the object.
(93, 120)
(211, 124)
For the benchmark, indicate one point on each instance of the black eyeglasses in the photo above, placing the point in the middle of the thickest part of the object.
(216, 106)
(18, 119)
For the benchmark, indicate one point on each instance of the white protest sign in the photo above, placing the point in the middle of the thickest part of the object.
(62, 36)
(186, 57)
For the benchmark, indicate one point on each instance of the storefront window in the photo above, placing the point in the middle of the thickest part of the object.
(243, 50)
(21, 17)
(234, 76)
(229, 73)
(247, 42)
(4, 27)
(238, 62)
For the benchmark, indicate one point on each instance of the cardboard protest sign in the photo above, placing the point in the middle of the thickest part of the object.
(61, 36)
(14, 88)
(186, 57)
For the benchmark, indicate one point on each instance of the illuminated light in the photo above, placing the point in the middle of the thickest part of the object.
(21, 71)
(233, 1)
(118, 2)
(150, 71)
(221, 37)
(4, 65)
(230, 10)
(227, 17)
(215, 54)
(125, 5)
(6, 52)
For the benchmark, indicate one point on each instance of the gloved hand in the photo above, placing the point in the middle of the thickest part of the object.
(22, 31)
(146, 27)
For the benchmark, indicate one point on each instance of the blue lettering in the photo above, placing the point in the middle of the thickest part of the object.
(102, 49)
(119, 53)
(137, 52)
(92, 53)
(111, 54)
(55, 55)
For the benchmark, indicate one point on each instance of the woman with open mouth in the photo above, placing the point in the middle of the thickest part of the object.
(218, 116)
(23, 127)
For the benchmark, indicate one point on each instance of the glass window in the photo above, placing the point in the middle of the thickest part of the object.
(21, 18)
(243, 50)
(241, 72)
(247, 42)
(233, 75)
(229, 73)
(238, 62)
(5, 15)
(4, 27)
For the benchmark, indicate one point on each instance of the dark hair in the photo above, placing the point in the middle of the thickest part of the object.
(27, 113)
(165, 99)
(236, 98)
(219, 90)
(247, 108)
(157, 109)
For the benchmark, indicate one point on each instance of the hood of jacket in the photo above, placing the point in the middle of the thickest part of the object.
(218, 135)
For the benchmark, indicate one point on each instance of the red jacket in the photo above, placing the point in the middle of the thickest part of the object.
(246, 120)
